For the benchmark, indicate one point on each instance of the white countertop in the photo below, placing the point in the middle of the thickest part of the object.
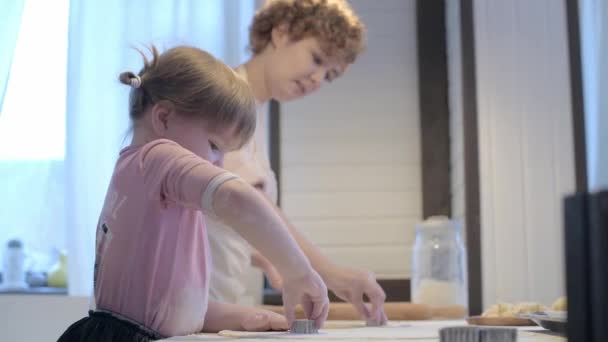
(421, 331)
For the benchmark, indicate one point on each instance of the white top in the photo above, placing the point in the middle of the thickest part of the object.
(230, 253)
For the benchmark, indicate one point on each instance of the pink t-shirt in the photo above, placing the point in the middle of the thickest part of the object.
(152, 256)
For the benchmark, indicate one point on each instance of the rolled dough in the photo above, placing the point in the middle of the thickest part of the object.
(346, 331)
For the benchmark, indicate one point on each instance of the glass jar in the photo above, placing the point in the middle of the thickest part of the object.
(14, 266)
(439, 266)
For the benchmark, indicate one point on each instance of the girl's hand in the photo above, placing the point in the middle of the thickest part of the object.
(309, 291)
(263, 320)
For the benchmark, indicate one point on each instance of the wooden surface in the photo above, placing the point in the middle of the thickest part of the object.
(394, 311)
(396, 290)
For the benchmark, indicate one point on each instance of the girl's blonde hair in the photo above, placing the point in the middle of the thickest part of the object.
(197, 85)
(333, 23)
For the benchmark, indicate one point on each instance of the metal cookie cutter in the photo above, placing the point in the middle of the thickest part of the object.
(303, 326)
(477, 334)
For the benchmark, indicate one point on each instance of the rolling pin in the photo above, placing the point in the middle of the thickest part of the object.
(399, 311)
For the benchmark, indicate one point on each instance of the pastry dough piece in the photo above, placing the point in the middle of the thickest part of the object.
(513, 310)
(498, 310)
(527, 307)
(391, 332)
(560, 304)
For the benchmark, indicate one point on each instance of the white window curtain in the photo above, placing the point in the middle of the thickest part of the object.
(11, 21)
(594, 46)
(53, 202)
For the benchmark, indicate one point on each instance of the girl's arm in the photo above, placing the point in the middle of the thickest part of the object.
(224, 316)
(251, 215)
(172, 173)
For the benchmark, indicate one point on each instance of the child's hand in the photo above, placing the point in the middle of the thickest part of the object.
(309, 291)
(264, 320)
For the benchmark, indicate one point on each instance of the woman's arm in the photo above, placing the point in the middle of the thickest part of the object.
(259, 261)
(347, 284)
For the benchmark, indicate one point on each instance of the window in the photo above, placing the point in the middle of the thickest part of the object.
(32, 132)
(56, 153)
(32, 119)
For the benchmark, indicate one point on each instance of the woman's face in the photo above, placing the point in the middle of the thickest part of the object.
(298, 68)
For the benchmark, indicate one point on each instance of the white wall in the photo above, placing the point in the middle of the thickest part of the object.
(525, 146)
(351, 153)
(25, 318)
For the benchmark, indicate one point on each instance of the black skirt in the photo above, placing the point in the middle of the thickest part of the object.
(103, 326)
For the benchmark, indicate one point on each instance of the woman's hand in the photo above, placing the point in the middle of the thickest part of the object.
(351, 284)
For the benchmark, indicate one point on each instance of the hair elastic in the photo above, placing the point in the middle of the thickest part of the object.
(135, 81)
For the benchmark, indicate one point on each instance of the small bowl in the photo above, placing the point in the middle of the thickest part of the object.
(555, 321)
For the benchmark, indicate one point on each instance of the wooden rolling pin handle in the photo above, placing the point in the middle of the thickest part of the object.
(397, 311)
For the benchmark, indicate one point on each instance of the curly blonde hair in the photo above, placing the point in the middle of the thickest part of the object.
(333, 23)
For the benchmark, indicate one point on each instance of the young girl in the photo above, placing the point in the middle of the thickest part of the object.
(152, 263)
(297, 45)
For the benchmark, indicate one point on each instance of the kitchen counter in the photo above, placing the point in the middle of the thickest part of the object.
(420, 331)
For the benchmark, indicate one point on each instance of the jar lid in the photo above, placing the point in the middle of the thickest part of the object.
(15, 244)
(438, 222)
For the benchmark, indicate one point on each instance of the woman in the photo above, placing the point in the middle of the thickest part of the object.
(297, 45)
